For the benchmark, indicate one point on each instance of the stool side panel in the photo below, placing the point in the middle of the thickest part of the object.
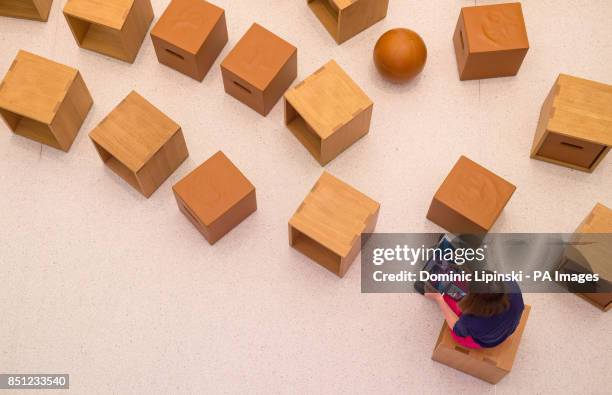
(72, 113)
(242, 90)
(135, 28)
(507, 359)
(279, 85)
(599, 220)
(545, 113)
(451, 220)
(44, 8)
(174, 57)
(346, 135)
(183, 208)
(233, 217)
(162, 164)
(212, 47)
(460, 44)
(602, 301)
(37, 10)
(327, 12)
(369, 226)
(358, 16)
(564, 148)
(482, 65)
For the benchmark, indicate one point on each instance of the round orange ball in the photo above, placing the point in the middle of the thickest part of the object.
(400, 55)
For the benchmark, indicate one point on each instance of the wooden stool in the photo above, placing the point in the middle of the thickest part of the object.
(490, 41)
(259, 69)
(44, 101)
(189, 36)
(328, 112)
(344, 19)
(591, 252)
(488, 364)
(470, 199)
(114, 28)
(215, 197)
(140, 143)
(575, 126)
(327, 226)
(37, 10)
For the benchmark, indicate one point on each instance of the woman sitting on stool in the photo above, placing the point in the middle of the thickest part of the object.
(485, 317)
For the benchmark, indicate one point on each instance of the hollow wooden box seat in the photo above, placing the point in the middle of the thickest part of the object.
(114, 28)
(575, 126)
(44, 100)
(590, 252)
(488, 364)
(140, 143)
(327, 226)
(344, 19)
(328, 112)
(37, 10)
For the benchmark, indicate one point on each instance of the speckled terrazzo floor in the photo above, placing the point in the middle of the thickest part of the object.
(126, 296)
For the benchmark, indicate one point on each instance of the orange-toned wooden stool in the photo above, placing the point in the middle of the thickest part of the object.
(215, 197)
(470, 199)
(189, 36)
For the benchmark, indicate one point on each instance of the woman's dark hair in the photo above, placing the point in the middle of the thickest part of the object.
(485, 299)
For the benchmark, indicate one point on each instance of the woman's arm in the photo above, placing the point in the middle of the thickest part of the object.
(448, 313)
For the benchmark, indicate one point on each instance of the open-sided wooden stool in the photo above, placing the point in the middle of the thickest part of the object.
(488, 364)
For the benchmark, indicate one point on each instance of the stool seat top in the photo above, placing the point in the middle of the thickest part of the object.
(187, 23)
(334, 214)
(213, 188)
(475, 192)
(495, 27)
(328, 99)
(134, 131)
(258, 57)
(34, 87)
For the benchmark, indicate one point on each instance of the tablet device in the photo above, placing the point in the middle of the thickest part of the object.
(455, 289)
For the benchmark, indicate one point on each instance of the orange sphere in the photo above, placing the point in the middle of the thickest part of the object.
(400, 55)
